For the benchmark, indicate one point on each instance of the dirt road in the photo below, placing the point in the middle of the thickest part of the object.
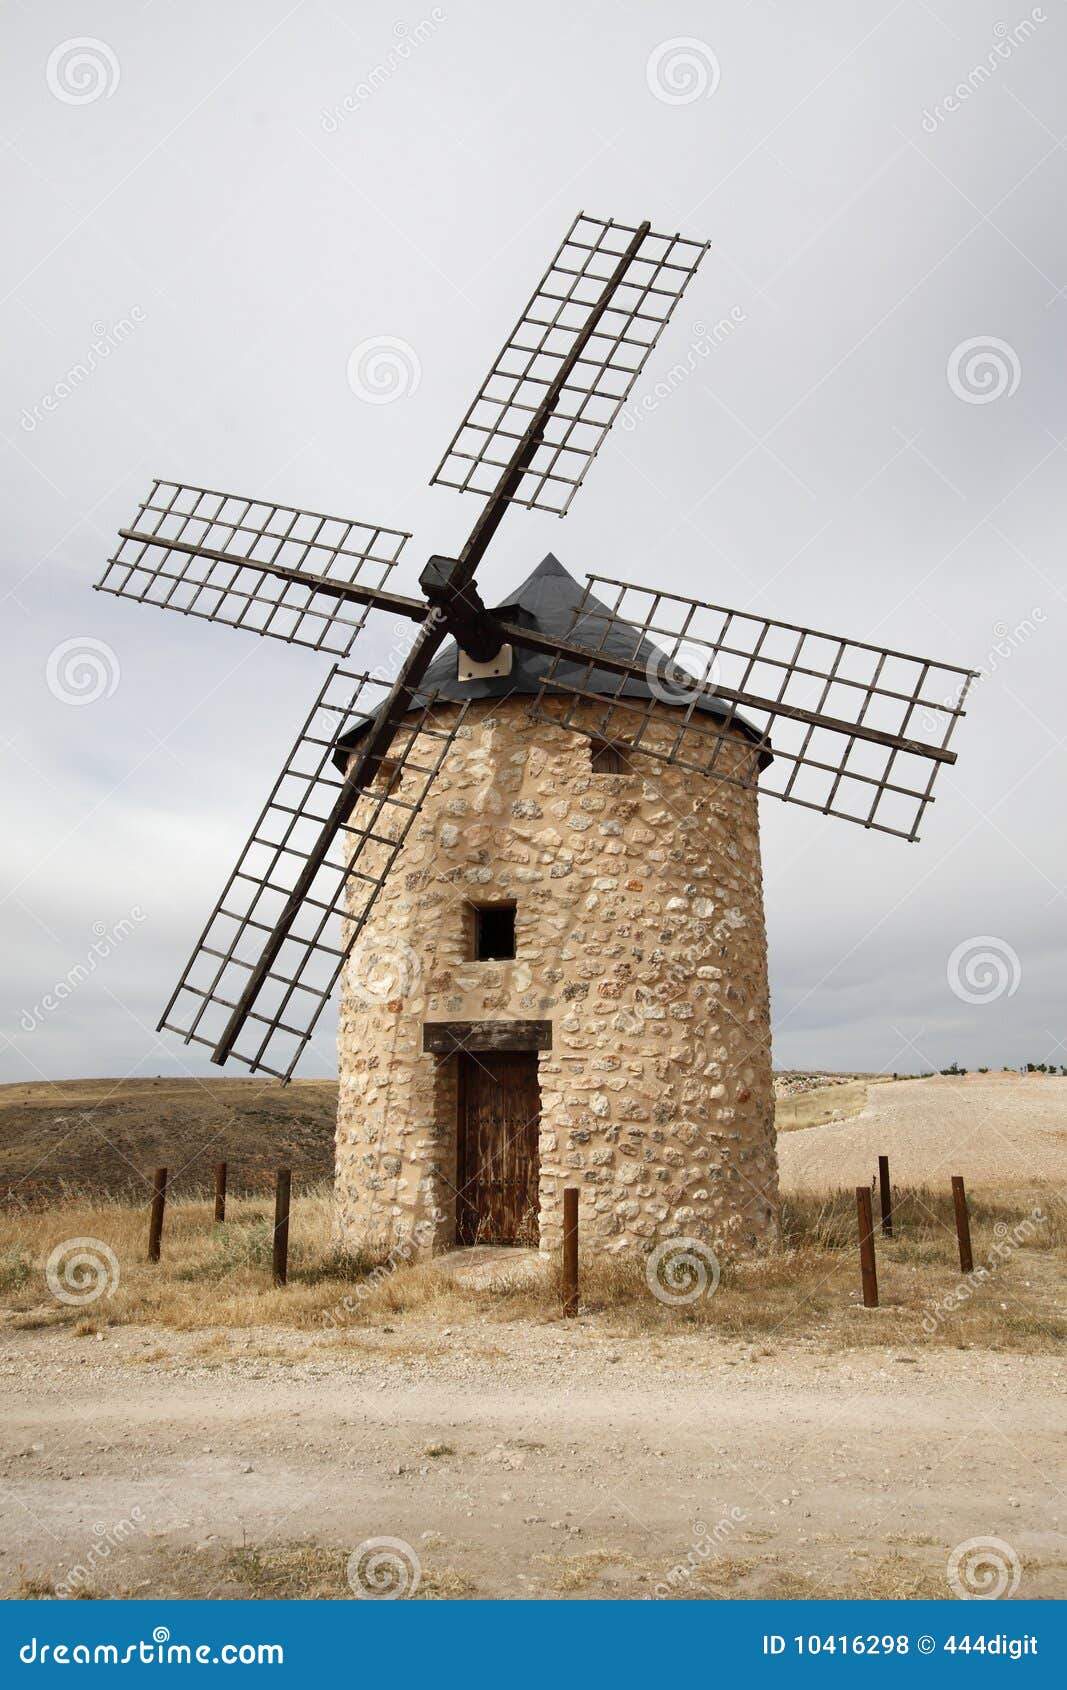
(522, 1461)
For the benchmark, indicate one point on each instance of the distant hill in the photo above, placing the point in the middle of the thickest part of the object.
(107, 1135)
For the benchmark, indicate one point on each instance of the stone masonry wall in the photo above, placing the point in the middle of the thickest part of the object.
(639, 934)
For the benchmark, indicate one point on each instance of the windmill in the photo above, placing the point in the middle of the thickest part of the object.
(650, 679)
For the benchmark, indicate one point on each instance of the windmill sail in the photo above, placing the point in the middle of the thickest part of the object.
(303, 971)
(836, 725)
(652, 282)
(236, 560)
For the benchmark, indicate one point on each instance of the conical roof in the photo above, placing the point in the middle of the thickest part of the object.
(548, 601)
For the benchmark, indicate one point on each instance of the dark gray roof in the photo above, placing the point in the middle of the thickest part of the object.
(548, 601)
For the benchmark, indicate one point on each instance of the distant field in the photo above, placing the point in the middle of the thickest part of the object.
(94, 1137)
(839, 1100)
(105, 1136)
(79, 1136)
(1001, 1130)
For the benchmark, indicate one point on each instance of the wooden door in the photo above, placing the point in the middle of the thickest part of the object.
(497, 1160)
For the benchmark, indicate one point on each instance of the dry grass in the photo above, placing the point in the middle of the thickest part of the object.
(823, 1103)
(300, 1571)
(571, 1573)
(307, 1572)
(217, 1278)
(894, 1578)
(745, 1577)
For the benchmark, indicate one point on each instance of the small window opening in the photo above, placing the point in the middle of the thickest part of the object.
(606, 758)
(494, 932)
(389, 774)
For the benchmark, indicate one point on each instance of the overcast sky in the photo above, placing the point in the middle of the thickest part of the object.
(227, 200)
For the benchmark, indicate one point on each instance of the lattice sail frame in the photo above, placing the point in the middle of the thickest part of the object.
(594, 394)
(332, 916)
(205, 553)
(846, 728)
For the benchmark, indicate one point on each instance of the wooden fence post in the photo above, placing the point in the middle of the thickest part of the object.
(570, 1250)
(220, 1191)
(868, 1270)
(963, 1223)
(155, 1219)
(281, 1225)
(886, 1195)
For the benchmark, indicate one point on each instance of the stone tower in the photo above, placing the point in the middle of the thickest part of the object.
(563, 982)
